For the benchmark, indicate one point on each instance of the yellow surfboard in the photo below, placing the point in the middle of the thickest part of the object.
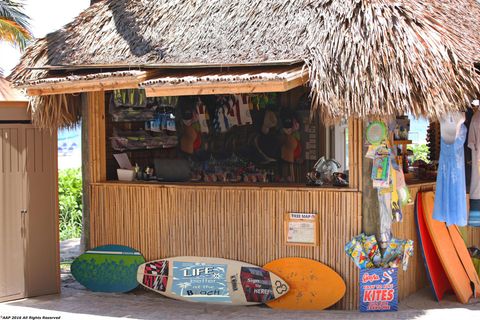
(313, 285)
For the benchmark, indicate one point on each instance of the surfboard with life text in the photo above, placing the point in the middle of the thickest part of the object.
(211, 280)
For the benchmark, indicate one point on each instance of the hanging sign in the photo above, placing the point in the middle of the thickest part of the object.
(379, 290)
(301, 229)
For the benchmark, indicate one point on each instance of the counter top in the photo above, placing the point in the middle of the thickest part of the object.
(290, 186)
(419, 183)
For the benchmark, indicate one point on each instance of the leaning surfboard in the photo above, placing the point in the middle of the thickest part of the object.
(211, 280)
(436, 274)
(447, 252)
(110, 268)
(313, 285)
(464, 256)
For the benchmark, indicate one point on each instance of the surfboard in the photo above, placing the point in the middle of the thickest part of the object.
(435, 272)
(446, 251)
(464, 256)
(110, 268)
(211, 280)
(313, 285)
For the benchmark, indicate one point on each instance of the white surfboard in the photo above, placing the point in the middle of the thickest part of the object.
(211, 280)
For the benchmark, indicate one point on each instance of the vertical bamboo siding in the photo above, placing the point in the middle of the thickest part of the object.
(96, 136)
(355, 146)
(473, 237)
(415, 278)
(236, 223)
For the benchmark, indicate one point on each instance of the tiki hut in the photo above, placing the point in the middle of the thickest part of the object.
(352, 59)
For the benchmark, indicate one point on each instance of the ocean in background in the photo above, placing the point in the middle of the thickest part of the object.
(70, 148)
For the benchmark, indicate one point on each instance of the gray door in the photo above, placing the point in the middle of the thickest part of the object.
(29, 264)
(12, 220)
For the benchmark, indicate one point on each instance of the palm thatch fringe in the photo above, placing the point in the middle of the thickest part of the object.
(56, 111)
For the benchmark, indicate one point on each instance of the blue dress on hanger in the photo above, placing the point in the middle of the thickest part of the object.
(451, 194)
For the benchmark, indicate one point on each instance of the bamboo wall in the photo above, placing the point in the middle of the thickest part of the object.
(236, 223)
(473, 237)
(415, 278)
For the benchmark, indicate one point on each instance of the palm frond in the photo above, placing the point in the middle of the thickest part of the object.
(13, 10)
(12, 32)
(14, 23)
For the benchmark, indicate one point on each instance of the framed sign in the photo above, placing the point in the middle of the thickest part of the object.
(301, 229)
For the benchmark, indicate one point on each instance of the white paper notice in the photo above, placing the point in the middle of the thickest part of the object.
(301, 232)
(123, 161)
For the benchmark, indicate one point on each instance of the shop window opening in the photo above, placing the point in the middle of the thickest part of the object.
(268, 138)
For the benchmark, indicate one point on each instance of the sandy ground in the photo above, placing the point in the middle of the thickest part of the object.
(75, 302)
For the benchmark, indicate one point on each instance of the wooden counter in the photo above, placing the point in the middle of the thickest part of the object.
(239, 223)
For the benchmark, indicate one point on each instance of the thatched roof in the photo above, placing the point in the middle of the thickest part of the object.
(365, 57)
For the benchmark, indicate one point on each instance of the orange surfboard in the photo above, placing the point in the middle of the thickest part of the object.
(435, 272)
(313, 285)
(447, 252)
(464, 256)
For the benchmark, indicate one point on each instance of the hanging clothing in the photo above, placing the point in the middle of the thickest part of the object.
(474, 145)
(450, 196)
(385, 206)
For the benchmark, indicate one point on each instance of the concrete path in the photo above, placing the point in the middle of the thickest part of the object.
(69, 249)
(75, 302)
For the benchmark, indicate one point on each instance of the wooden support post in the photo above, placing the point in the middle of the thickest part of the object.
(93, 153)
(370, 206)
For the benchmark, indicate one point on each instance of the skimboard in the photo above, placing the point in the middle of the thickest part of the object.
(110, 268)
(435, 272)
(211, 280)
(313, 285)
(447, 252)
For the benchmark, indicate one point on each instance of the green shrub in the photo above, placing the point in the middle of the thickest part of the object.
(420, 152)
(70, 202)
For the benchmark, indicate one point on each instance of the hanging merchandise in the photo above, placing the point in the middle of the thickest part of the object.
(230, 112)
(400, 192)
(171, 126)
(450, 196)
(474, 145)
(202, 115)
(364, 252)
(220, 119)
(404, 197)
(381, 168)
(386, 218)
(130, 98)
(376, 133)
(388, 178)
(242, 109)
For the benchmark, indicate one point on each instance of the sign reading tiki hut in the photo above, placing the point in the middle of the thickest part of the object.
(219, 110)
